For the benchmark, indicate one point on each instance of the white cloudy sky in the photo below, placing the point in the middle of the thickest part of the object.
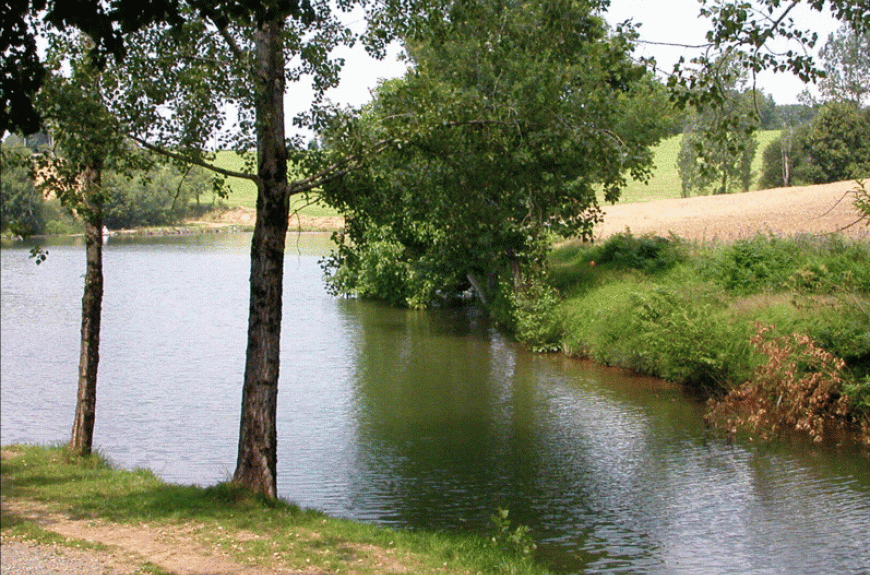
(666, 21)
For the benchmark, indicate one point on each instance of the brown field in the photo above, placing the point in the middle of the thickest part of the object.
(821, 209)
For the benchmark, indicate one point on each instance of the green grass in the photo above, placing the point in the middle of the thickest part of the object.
(686, 311)
(665, 182)
(223, 517)
(243, 193)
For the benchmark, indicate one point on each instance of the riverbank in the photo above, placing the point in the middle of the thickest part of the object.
(773, 329)
(739, 297)
(122, 522)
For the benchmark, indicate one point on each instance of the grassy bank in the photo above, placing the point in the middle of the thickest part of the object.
(223, 521)
(689, 313)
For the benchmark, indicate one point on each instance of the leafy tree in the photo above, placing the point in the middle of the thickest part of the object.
(161, 196)
(88, 138)
(720, 162)
(511, 119)
(21, 205)
(834, 146)
(837, 144)
(846, 59)
(175, 87)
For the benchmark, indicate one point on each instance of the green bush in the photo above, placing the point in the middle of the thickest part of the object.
(647, 253)
(534, 317)
(751, 265)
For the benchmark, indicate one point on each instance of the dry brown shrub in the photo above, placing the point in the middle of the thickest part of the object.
(799, 387)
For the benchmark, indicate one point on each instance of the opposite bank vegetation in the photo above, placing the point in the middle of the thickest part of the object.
(775, 331)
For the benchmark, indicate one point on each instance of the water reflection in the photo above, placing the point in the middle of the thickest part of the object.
(418, 419)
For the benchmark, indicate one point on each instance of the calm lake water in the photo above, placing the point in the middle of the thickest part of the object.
(416, 419)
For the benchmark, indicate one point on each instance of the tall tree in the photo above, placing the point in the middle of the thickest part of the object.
(720, 163)
(243, 57)
(87, 137)
(513, 116)
(846, 60)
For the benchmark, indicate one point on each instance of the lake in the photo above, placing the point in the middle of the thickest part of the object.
(416, 419)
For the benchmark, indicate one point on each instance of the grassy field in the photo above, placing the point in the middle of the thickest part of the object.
(664, 184)
(243, 193)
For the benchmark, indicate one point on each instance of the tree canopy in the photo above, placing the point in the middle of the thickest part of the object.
(846, 60)
(512, 118)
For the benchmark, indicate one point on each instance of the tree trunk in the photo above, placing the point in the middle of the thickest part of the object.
(82, 438)
(256, 467)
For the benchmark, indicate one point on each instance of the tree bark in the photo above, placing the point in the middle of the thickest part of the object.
(82, 437)
(256, 467)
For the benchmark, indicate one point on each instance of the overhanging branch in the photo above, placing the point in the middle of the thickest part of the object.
(195, 161)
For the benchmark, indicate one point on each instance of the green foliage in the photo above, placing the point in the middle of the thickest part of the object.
(648, 253)
(532, 315)
(379, 269)
(21, 204)
(751, 265)
(162, 196)
(516, 540)
(835, 146)
(498, 139)
(838, 144)
(862, 201)
(693, 322)
(806, 263)
(673, 334)
(846, 59)
(716, 158)
(857, 394)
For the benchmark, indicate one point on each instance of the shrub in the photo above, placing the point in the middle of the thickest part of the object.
(648, 253)
(800, 387)
(533, 316)
(751, 265)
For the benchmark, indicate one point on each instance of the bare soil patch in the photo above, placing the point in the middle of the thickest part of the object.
(821, 209)
(246, 217)
(173, 549)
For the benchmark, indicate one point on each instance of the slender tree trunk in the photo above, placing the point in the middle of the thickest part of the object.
(256, 467)
(82, 438)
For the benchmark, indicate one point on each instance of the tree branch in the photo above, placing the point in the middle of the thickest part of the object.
(337, 169)
(234, 46)
(195, 161)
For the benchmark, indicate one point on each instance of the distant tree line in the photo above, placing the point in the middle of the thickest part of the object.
(162, 195)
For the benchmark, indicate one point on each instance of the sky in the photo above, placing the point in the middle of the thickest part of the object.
(664, 21)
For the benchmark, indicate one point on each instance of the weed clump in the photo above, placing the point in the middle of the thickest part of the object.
(800, 386)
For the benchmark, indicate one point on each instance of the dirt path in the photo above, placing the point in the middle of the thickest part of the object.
(819, 209)
(122, 549)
